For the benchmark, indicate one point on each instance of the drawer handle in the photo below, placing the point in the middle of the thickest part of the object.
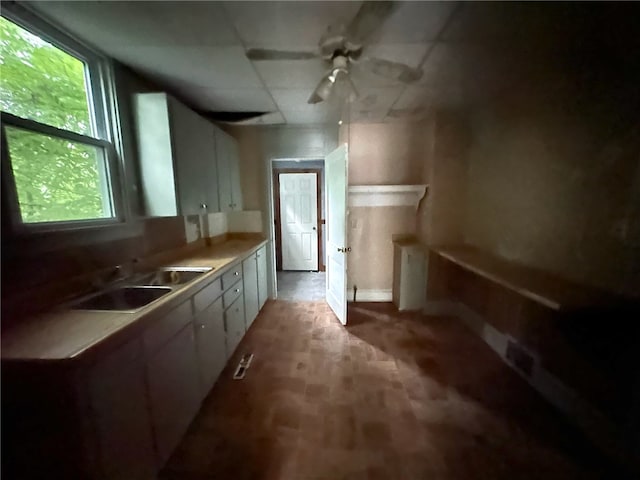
(237, 290)
(201, 326)
(236, 273)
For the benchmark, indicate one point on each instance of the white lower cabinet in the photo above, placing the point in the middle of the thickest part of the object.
(211, 345)
(121, 422)
(122, 415)
(263, 287)
(174, 391)
(250, 279)
(234, 322)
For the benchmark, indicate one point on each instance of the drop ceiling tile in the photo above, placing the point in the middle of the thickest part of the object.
(106, 24)
(373, 104)
(287, 24)
(230, 99)
(291, 73)
(214, 67)
(423, 96)
(409, 54)
(414, 22)
(294, 99)
(414, 96)
(311, 115)
(273, 118)
(443, 64)
(512, 23)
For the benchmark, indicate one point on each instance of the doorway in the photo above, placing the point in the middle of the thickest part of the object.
(298, 200)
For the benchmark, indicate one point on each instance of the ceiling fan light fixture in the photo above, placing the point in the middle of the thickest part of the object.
(322, 91)
(345, 87)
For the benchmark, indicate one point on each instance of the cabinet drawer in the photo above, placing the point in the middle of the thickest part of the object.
(231, 294)
(166, 327)
(207, 295)
(232, 276)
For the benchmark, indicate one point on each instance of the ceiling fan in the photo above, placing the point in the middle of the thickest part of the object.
(343, 46)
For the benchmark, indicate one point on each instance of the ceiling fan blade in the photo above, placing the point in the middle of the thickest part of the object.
(369, 18)
(261, 54)
(393, 70)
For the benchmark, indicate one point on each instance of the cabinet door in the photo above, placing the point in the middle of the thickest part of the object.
(209, 169)
(223, 148)
(234, 322)
(174, 391)
(120, 415)
(191, 143)
(263, 288)
(211, 345)
(250, 279)
(234, 173)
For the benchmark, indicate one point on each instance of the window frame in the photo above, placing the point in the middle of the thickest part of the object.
(105, 123)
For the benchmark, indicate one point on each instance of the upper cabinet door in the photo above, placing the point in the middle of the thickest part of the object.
(210, 166)
(229, 190)
(177, 153)
(224, 170)
(189, 138)
(234, 167)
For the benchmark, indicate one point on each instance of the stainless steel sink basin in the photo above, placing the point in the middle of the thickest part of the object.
(123, 298)
(173, 276)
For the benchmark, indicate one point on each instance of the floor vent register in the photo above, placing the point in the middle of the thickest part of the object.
(243, 366)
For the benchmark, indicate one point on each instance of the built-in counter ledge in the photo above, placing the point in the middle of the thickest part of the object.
(542, 287)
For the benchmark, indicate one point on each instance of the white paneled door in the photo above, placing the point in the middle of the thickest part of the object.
(299, 221)
(335, 165)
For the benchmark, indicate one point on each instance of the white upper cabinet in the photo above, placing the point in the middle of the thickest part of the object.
(228, 161)
(177, 150)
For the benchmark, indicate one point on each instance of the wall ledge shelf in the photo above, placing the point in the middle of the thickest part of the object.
(386, 195)
(542, 287)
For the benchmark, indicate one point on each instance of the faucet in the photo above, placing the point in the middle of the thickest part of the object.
(103, 280)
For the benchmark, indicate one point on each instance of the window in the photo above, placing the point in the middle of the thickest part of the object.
(59, 164)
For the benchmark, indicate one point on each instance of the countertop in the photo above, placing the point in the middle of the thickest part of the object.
(63, 335)
(542, 287)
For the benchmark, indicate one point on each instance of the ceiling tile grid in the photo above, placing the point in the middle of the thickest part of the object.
(198, 49)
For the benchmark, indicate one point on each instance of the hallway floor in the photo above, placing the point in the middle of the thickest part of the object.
(301, 286)
(392, 396)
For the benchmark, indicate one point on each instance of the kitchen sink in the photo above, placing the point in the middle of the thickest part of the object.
(123, 298)
(173, 276)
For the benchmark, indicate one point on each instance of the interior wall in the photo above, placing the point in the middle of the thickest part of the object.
(259, 144)
(441, 214)
(382, 154)
(554, 178)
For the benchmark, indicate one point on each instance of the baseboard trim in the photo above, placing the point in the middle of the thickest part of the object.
(370, 295)
(440, 308)
(581, 412)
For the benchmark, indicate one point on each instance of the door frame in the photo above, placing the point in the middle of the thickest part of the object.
(270, 220)
(277, 218)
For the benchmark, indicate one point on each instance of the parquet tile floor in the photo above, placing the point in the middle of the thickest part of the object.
(390, 396)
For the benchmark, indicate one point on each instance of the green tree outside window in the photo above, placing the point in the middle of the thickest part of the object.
(56, 179)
